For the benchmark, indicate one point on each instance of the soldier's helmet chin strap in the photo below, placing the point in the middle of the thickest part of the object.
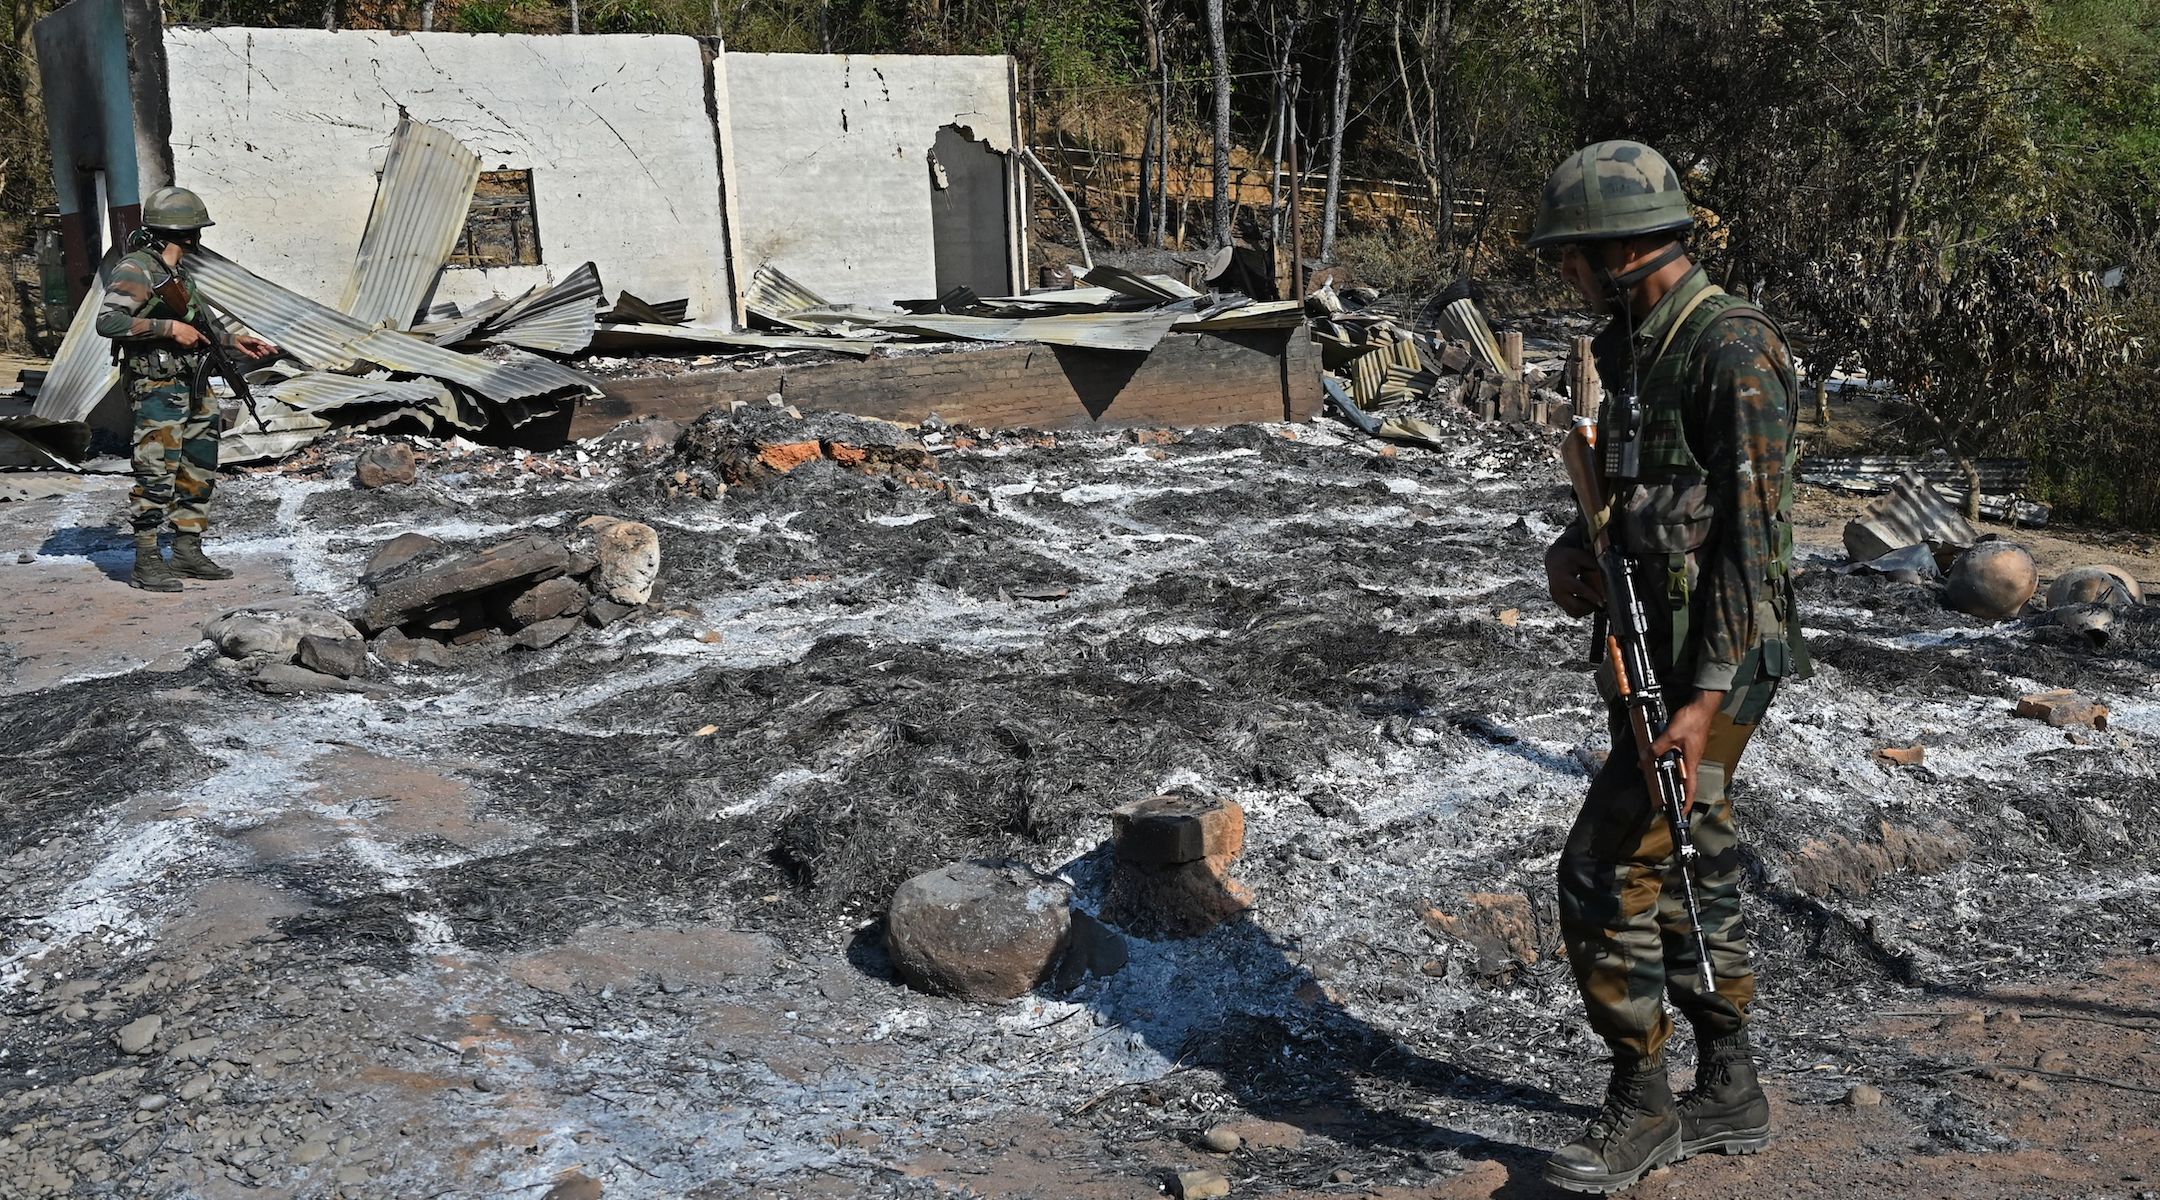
(1624, 449)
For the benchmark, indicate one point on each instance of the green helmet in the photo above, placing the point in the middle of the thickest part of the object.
(175, 208)
(1635, 192)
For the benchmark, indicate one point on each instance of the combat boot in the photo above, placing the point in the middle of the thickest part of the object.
(189, 560)
(1726, 1111)
(152, 574)
(1635, 1133)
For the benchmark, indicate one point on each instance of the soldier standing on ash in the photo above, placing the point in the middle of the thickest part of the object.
(1694, 446)
(161, 334)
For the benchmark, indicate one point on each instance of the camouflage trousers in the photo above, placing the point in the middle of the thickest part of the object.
(176, 455)
(1621, 914)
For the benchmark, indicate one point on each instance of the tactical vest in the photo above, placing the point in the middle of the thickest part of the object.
(159, 359)
(1662, 519)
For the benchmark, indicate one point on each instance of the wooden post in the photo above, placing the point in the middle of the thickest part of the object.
(1582, 378)
(1511, 352)
(1297, 230)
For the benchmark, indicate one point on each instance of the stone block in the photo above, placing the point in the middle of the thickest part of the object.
(1178, 829)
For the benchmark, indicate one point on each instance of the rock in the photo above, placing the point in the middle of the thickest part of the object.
(285, 679)
(135, 1036)
(1221, 1139)
(1178, 829)
(1902, 756)
(1201, 1185)
(395, 553)
(1836, 864)
(273, 634)
(978, 931)
(383, 466)
(1500, 929)
(575, 1186)
(544, 634)
(2062, 708)
(629, 554)
(1992, 581)
(342, 657)
(1863, 1095)
(172, 662)
(545, 601)
(397, 650)
(314, 1150)
(603, 613)
(408, 596)
(2095, 585)
(1095, 949)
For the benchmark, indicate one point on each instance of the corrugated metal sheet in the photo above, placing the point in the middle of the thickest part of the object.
(1139, 331)
(559, 319)
(455, 326)
(616, 335)
(83, 372)
(636, 310)
(420, 207)
(329, 340)
(775, 297)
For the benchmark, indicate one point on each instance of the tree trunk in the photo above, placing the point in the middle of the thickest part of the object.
(574, 16)
(427, 16)
(1219, 47)
(1822, 398)
(1150, 222)
(1345, 33)
(329, 14)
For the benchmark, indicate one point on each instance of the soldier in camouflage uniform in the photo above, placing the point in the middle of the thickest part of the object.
(157, 328)
(1701, 511)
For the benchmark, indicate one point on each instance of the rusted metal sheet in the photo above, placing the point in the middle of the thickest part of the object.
(420, 206)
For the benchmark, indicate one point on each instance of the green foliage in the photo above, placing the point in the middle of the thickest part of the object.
(486, 16)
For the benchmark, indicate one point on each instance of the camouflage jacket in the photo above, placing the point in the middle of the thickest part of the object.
(132, 313)
(1714, 492)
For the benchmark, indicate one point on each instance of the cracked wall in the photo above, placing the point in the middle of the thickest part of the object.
(284, 131)
(829, 165)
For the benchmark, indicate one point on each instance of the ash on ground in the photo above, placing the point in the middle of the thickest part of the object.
(608, 911)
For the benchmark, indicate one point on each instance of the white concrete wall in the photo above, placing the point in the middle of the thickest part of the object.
(284, 130)
(828, 174)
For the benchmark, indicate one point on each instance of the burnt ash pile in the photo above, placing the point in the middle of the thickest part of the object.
(872, 650)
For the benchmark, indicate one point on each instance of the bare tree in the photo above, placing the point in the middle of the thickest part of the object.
(1346, 28)
(1219, 46)
(573, 16)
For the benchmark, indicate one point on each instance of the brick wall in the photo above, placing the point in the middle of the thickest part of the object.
(1190, 380)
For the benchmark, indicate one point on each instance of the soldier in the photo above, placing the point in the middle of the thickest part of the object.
(156, 325)
(1702, 386)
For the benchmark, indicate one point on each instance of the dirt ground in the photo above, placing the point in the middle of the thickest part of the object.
(604, 918)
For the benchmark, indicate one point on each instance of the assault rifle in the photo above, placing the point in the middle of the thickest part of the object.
(1627, 649)
(176, 295)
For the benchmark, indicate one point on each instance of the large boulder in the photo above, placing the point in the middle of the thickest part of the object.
(1992, 581)
(978, 930)
(274, 634)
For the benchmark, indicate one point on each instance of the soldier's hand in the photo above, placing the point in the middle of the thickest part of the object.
(1571, 575)
(254, 347)
(1689, 733)
(187, 335)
